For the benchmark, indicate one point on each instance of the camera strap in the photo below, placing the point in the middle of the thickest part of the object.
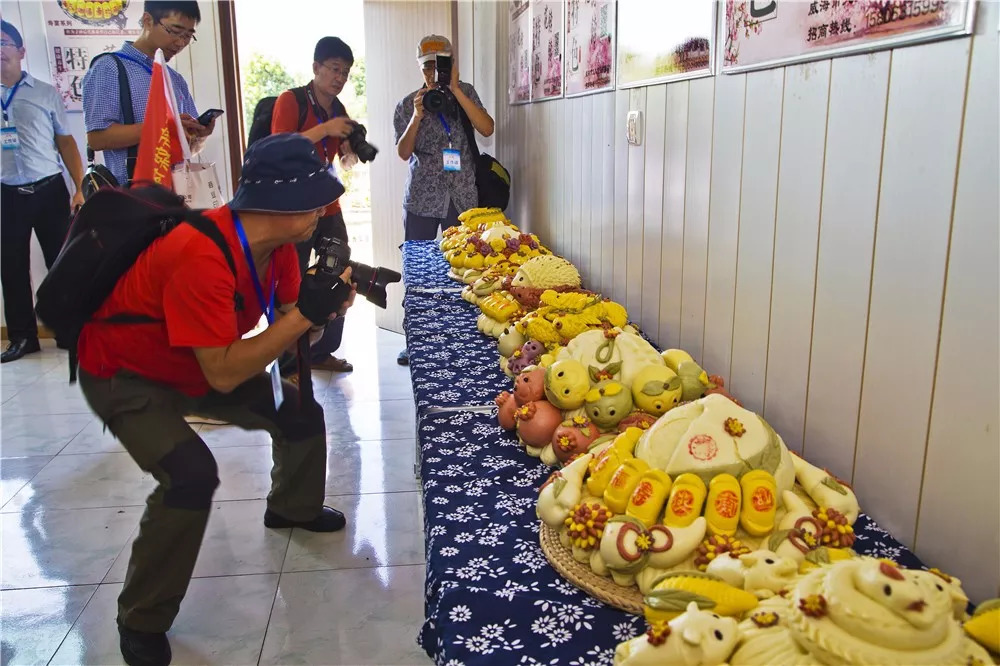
(322, 117)
(447, 128)
(268, 305)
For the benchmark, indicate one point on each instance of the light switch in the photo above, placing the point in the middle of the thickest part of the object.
(633, 127)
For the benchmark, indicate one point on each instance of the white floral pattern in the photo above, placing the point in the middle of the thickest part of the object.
(491, 596)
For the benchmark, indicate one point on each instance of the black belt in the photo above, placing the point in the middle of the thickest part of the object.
(32, 188)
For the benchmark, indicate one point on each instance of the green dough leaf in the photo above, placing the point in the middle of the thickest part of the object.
(777, 539)
(614, 368)
(771, 455)
(558, 486)
(593, 374)
(988, 605)
(653, 388)
(831, 482)
(819, 556)
(674, 383)
(676, 600)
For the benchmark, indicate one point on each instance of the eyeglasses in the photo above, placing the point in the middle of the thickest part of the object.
(337, 71)
(178, 33)
(8, 43)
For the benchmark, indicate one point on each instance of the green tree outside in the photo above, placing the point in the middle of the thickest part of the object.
(263, 78)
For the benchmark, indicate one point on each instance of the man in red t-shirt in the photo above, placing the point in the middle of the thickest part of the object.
(142, 379)
(326, 123)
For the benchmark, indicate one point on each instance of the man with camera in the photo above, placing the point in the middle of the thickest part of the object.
(431, 138)
(167, 25)
(188, 356)
(325, 122)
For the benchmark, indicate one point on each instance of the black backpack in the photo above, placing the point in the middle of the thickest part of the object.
(106, 238)
(260, 126)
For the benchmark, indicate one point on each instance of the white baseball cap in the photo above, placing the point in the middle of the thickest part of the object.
(431, 47)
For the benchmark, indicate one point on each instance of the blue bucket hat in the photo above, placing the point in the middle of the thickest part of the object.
(282, 173)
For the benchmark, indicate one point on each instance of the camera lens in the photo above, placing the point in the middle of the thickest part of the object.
(365, 151)
(434, 101)
(371, 281)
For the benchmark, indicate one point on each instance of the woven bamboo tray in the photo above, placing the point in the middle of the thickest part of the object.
(628, 599)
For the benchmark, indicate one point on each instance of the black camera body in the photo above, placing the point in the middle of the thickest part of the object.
(358, 141)
(440, 99)
(335, 256)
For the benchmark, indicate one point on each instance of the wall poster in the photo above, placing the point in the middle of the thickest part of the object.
(519, 52)
(590, 46)
(757, 34)
(78, 30)
(546, 49)
(664, 41)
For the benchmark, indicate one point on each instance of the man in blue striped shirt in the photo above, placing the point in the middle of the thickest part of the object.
(168, 25)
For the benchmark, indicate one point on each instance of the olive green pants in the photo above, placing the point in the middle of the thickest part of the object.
(148, 419)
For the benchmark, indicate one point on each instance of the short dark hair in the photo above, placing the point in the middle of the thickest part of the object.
(332, 47)
(10, 30)
(161, 9)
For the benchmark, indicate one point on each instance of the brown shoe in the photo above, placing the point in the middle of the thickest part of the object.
(333, 364)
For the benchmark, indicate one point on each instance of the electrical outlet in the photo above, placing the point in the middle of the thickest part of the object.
(633, 128)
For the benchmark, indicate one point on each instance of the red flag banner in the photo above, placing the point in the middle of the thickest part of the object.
(159, 145)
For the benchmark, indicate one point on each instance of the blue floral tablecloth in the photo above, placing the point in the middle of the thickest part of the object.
(491, 596)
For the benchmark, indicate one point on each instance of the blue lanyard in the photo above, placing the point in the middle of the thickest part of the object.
(146, 67)
(447, 128)
(268, 311)
(10, 96)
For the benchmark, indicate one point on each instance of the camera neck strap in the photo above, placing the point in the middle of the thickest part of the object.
(268, 305)
(321, 116)
(446, 126)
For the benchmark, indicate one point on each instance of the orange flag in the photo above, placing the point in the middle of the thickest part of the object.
(160, 143)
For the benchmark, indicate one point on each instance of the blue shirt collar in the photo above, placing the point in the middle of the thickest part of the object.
(128, 48)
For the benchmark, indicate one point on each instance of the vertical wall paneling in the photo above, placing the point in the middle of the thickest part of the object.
(586, 167)
(751, 314)
(619, 241)
(390, 71)
(652, 207)
(858, 92)
(598, 173)
(724, 222)
(911, 242)
(633, 261)
(608, 204)
(697, 184)
(672, 243)
(576, 177)
(796, 234)
(962, 452)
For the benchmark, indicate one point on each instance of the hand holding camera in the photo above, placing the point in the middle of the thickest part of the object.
(324, 294)
(338, 127)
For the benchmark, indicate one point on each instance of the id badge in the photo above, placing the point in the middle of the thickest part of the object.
(10, 139)
(452, 160)
(276, 388)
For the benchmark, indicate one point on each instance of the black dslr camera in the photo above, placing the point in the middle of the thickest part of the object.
(439, 99)
(335, 255)
(365, 151)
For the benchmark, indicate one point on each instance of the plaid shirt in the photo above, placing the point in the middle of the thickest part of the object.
(102, 101)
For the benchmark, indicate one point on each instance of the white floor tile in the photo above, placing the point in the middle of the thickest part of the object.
(370, 467)
(24, 435)
(35, 622)
(16, 472)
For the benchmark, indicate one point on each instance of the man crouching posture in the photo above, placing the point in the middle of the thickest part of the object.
(143, 378)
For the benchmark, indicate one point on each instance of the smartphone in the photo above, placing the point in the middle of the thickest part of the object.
(210, 115)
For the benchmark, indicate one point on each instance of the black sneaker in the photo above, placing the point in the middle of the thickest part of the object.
(142, 648)
(404, 357)
(329, 520)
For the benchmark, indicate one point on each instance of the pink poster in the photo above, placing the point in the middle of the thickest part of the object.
(519, 52)
(590, 46)
(764, 33)
(546, 49)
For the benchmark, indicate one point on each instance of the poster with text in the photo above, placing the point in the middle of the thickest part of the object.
(519, 52)
(590, 46)
(546, 49)
(664, 41)
(78, 30)
(760, 34)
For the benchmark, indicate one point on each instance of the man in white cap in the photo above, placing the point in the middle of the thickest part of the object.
(442, 180)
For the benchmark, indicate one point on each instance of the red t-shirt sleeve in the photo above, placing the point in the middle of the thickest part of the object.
(198, 301)
(286, 265)
(285, 116)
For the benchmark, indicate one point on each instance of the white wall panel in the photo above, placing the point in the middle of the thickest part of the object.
(697, 184)
(724, 222)
(619, 241)
(796, 233)
(858, 93)
(755, 254)
(962, 451)
(911, 245)
(674, 177)
(633, 239)
(655, 121)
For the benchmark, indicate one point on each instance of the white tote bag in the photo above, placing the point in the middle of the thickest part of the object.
(198, 183)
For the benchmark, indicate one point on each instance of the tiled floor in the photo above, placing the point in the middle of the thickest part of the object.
(70, 502)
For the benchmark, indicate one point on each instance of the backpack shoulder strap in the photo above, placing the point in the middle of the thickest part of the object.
(125, 102)
(303, 102)
(209, 228)
(338, 108)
